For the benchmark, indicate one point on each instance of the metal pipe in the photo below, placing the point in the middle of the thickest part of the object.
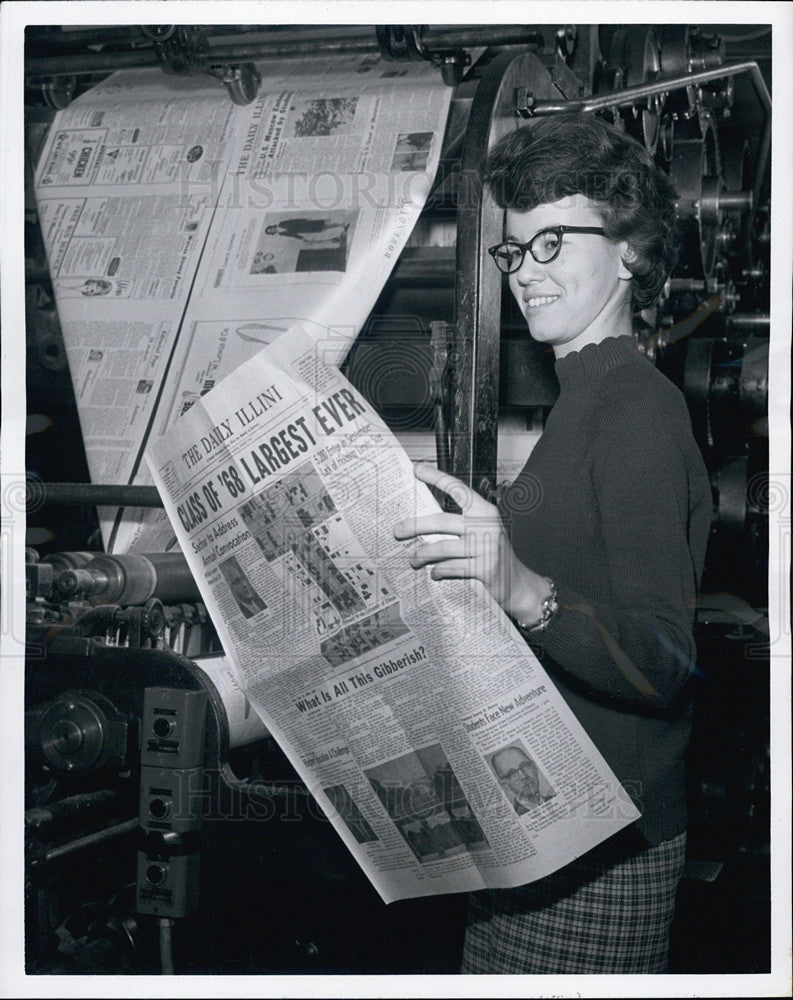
(75, 494)
(660, 86)
(90, 840)
(71, 809)
(328, 41)
(631, 95)
(432, 38)
(166, 949)
(37, 68)
(752, 321)
(90, 35)
(289, 48)
(734, 200)
(102, 34)
(473, 35)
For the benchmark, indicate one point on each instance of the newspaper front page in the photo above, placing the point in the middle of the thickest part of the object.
(412, 709)
(184, 233)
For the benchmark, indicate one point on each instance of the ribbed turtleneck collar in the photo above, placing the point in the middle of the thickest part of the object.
(580, 367)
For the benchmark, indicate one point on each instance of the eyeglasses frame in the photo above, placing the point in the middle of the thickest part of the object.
(527, 767)
(523, 247)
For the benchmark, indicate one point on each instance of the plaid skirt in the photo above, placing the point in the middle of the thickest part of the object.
(608, 912)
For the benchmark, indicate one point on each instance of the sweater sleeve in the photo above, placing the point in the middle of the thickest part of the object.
(637, 645)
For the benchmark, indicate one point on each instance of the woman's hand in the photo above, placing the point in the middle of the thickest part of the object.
(478, 550)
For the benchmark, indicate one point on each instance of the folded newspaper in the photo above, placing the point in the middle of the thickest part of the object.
(412, 709)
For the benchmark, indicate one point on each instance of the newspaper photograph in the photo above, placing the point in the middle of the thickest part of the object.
(411, 708)
(292, 209)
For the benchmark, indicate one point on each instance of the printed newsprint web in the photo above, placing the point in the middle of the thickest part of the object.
(413, 710)
(184, 233)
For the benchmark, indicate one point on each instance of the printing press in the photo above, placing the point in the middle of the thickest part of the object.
(164, 829)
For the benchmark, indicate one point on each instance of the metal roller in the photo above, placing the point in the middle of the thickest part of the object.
(675, 55)
(753, 388)
(696, 386)
(635, 58)
(685, 50)
(68, 560)
(82, 731)
(129, 579)
(726, 387)
(695, 171)
(675, 49)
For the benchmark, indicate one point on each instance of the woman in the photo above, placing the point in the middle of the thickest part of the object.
(601, 574)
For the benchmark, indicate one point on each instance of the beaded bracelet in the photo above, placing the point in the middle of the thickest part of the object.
(548, 609)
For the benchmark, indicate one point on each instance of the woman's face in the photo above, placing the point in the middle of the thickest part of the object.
(581, 297)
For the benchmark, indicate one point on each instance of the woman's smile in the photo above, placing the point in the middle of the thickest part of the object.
(533, 303)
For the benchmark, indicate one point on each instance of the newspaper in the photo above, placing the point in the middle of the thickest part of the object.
(412, 709)
(184, 233)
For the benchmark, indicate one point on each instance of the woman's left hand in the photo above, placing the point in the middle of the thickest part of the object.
(478, 550)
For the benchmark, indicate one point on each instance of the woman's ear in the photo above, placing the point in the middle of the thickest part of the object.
(627, 257)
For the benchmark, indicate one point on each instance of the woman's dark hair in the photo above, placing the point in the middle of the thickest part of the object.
(578, 153)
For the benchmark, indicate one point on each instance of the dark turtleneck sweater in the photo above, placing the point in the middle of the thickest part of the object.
(618, 517)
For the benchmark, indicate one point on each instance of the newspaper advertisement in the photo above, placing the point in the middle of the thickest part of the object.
(412, 708)
(184, 233)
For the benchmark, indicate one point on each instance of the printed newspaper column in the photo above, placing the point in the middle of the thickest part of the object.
(125, 186)
(183, 232)
(413, 710)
